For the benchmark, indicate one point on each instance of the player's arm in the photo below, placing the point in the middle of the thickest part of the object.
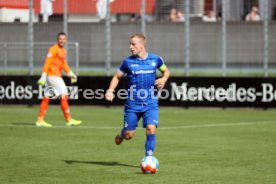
(49, 58)
(69, 72)
(160, 83)
(109, 95)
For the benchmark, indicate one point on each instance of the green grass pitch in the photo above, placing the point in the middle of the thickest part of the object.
(214, 146)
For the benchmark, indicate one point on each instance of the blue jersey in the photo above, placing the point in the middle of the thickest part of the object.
(141, 75)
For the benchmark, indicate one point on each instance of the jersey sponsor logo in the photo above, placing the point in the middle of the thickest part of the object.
(142, 71)
(134, 65)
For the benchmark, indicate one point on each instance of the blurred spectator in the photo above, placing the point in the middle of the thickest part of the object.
(138, 17)
(173, 15)
(134, 18)
(176, 16)
(163, 8)
(180, 16)
(101, 6)
(46, 9)
(219, 12)
(253, 15)
(210, 17)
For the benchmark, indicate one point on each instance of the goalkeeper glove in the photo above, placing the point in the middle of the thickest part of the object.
(73, 77)
(42, 80)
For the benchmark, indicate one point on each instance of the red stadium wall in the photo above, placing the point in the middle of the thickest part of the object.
(89, 6)
(14, 4)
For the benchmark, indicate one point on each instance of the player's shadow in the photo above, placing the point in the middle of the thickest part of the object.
(22, 124)
(103, 163)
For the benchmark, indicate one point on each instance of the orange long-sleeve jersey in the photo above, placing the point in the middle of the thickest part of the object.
(55, 61)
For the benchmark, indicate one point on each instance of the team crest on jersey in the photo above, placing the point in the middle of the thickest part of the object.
(49, 54)
(153, 64)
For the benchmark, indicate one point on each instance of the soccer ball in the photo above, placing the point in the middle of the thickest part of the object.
(149, 165)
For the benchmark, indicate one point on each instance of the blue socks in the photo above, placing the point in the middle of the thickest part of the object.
(123, 133)
(150, 144)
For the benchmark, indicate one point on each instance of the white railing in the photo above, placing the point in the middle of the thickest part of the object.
(7, 50)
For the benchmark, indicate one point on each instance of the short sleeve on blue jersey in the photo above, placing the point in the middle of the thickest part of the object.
(160, 64)
(123, 67)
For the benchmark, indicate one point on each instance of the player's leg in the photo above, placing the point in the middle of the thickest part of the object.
(43, 108)
(124, 134)
(42, 111)
(130, 123)
(150, 122)
(60, 90)
(65, 107)
(151, 139)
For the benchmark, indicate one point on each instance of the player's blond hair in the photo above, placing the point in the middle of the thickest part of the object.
(140, 36)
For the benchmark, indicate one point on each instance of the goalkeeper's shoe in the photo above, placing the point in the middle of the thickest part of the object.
(42, 124)
(118, 139)
(73, 122)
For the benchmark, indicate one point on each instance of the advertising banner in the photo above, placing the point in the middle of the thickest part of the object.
(179, 91)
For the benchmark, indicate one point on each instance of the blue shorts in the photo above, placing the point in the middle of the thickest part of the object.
(133, 115)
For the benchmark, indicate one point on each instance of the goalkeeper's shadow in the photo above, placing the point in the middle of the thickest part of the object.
(22, 124)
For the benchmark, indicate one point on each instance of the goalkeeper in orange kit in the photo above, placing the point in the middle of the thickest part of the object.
(51, 77)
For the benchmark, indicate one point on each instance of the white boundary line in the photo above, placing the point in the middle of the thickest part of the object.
(160, 128)
(218, 125)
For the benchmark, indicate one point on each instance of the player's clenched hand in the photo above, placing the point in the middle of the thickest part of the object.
(109, 95)
(160, 83)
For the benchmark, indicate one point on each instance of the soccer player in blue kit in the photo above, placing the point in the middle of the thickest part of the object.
(140, 69)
